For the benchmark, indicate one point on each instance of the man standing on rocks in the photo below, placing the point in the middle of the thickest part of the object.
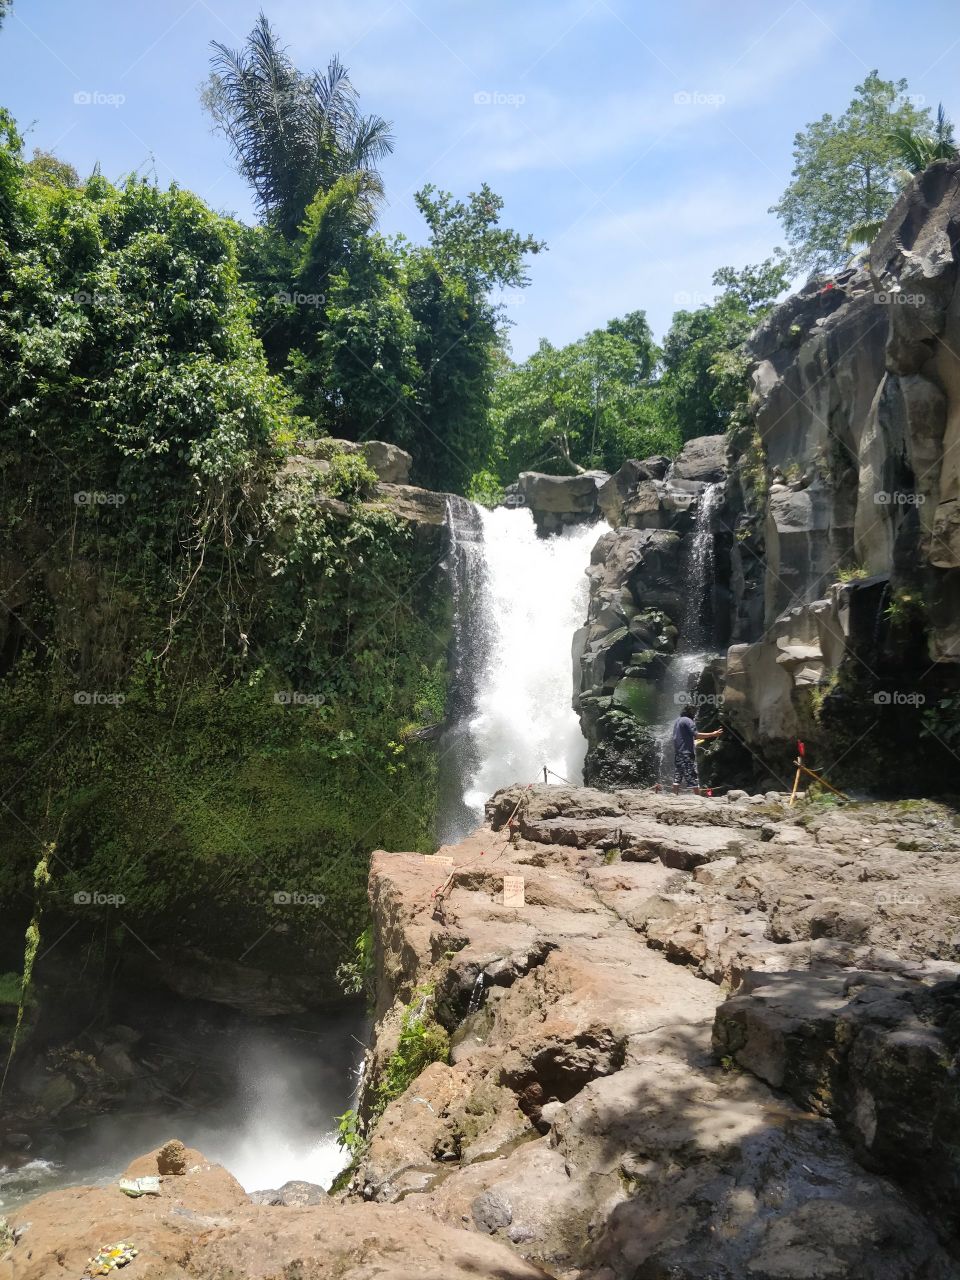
(685, 739)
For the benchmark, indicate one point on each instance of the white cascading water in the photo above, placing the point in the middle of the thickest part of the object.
(534, 599)
(696, 625)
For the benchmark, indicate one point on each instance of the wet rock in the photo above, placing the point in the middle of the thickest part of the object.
(57, 1093)
(557, 501)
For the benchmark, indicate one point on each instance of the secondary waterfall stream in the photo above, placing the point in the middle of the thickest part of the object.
(521, 598)
(696, 625)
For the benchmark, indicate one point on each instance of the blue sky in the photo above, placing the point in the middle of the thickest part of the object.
(643, 142)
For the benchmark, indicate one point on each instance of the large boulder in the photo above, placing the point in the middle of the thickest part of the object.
(557, 501)
(391, 463)
(703, 459)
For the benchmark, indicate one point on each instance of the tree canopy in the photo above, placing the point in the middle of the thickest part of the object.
(846, 170)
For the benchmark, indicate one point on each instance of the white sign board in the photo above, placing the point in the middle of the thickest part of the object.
(513, 891)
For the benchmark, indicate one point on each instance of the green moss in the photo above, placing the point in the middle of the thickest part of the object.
(222, 778)
(422, 1041)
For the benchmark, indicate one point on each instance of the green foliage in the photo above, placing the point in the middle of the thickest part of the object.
(422, 1041)
(348, 1133)
(350, 476)
(11, 988)
(905, 612)
(851, 573)
(589, 404)
(294, 135)
(703, 383)
(846, 170)
(206, 671)
(371, 337)
(485, 488)
(41, 881)
(941, 721)
(356, 976)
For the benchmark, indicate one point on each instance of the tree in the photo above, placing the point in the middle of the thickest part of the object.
(845, 171)
(915, 149)
(636, 330)
(294, 134)
(695, 387)
(50, 170)
(580, 406)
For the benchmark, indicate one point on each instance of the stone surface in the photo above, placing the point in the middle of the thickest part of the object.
(639, 605)
(391, 463)
(202, 1226)
(604, 1112)
(557, 501)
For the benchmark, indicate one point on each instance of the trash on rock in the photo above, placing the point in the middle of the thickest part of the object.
(140, 1186)
(110, 1257)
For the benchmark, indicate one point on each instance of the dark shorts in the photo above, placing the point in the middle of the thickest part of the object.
(686, 769)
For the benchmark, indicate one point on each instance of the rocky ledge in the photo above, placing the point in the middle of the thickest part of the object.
(714, 1039)
(718, 1039)
(202, 1226)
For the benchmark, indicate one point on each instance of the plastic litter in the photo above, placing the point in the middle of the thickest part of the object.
(109, 1257)
(140, 1186)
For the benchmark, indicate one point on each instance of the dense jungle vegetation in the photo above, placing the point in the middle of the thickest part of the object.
(211, 680)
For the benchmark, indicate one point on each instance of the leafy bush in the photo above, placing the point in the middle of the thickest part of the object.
(350, 477)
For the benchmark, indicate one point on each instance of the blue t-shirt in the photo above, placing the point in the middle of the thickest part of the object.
(683, 734)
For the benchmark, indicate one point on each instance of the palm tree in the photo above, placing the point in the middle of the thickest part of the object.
(915, 149)
(293, 135)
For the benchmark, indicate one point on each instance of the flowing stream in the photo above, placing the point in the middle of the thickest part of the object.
(524, 599)
(696, 626)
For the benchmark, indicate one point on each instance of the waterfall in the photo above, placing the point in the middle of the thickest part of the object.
(521, 598)
(696, 626)
(696, 623)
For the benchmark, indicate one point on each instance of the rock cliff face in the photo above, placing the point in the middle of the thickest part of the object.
(836, 545)
(607, 1107)
(857, 410)
(654, 597)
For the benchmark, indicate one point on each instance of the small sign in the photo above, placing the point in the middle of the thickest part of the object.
(513, 891)
(436, 861)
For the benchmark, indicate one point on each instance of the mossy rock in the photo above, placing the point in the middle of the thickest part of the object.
(637, 696)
